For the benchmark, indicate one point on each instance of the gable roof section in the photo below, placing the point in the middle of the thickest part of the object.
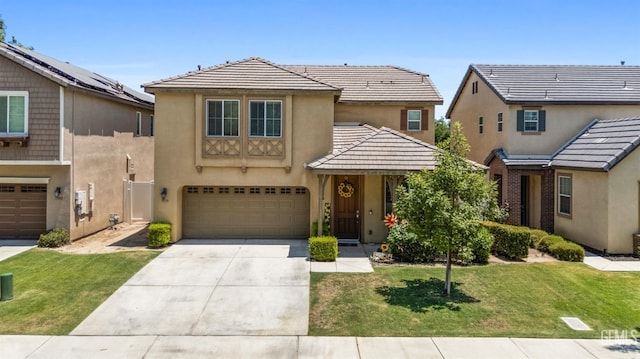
(375, 83)
(600, 146)
(65, 74)
(248, 74)
(558, 84)
(381, 151)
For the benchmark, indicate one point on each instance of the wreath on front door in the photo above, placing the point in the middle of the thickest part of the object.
(346, 189)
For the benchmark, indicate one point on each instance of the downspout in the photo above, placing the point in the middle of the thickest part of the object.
(322, 181)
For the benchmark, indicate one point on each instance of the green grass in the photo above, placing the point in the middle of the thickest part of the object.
(54, 292)
(524, 300)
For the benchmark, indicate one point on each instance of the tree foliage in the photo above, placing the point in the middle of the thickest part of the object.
(442, 130)
(446, 206)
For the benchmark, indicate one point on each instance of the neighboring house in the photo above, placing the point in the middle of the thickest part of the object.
(71, 144)
(517, 117)
(252, 149)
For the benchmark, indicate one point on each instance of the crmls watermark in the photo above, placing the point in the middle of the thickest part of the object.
(620, 337)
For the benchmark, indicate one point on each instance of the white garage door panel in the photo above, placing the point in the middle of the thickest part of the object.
(245, 212)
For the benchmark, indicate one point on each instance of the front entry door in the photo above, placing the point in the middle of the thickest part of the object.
(347, 207)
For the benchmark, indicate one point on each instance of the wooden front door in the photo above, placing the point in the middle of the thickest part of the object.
(347, 207)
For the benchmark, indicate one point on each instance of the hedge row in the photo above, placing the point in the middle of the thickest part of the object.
(509, 241)
(323, 249)
(561, 249)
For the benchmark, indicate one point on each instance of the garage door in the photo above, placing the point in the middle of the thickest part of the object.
(23, 210)
(246, 212)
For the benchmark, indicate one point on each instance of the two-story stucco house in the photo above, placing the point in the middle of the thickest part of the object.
(70, 141)
(253, 149)
(519, 119)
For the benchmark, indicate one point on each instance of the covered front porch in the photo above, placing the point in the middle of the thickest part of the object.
(357, 182)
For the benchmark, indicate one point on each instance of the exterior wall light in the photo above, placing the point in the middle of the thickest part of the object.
(58, 193)
(163, 194)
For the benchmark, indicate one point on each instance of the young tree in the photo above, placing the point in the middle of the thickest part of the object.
(3, 35)
(446, 206)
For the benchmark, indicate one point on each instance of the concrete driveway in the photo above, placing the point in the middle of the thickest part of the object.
(207, 287)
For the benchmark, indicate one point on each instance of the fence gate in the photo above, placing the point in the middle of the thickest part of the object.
(138, 201)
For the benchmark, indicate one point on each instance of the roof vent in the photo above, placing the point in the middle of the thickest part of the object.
(625, 87)
(227, 61)
(557, 78)
(546, 95)
(199, 67)
(305, 71)
(508, 91)
(345, 64)
(622, 63)
(367, 87)
(491, 73)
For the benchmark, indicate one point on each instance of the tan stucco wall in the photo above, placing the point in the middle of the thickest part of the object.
(178, 119)
(380, 115)
(624, 203)
(373, 229)
(103, 137)
(535, 201)
(562, 122)
(588, 223)
(470, 107)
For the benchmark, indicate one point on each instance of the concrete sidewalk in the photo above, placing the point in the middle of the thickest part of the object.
(604, 264)
(308, 347)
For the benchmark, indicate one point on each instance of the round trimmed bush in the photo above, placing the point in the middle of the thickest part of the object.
(567, 251)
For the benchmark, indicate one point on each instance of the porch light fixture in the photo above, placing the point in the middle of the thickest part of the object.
(163, 194)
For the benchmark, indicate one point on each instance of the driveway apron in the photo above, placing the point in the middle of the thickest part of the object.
(212, 287)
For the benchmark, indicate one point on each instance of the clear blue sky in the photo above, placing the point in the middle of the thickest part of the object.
(141, 41)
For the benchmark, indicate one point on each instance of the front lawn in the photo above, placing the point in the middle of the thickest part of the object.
(54, 292)
(510, 300)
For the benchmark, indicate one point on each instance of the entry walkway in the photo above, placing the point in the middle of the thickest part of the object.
(607, 265)
(205, 287)
(12, 247)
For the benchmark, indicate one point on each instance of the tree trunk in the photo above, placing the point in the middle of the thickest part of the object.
(447, 281)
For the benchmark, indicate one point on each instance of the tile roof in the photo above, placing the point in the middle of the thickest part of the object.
(375, 83)
(379, 151)
(518, 160)
(601, 145)
(66, 74)
(558, 84)
(248, 74)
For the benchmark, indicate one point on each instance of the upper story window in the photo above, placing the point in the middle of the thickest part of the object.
(531, 120)
(474, 87)
(151, 124)
(223, 117)
(265, 118)
(564, 195)
(138, 124)
(500, 122)
(14, 112)
(480, 124)
(414, 120)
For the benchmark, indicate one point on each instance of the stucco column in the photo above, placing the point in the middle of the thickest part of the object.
(393, 182)
(322, 181)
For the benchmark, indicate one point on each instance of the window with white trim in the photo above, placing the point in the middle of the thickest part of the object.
(530, 121)
(564, 195)
(14, 113)
(500, 122)
(138, 124)
(414, 120)
(223, 118)
(265, 118)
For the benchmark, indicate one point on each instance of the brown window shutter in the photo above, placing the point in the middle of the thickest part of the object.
(424, 119)
(403, 120)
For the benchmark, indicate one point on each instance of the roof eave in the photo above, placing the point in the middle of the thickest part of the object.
(391, 102)
(214, 91)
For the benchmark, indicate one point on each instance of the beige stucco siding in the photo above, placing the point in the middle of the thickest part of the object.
(308, 124)
(589, 222)
(562, 123)
(386, 115)
(372, 215)
(486, 104)
(624, 203)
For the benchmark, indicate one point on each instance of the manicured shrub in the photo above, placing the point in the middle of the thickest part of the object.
(57, 237)
(159, 234)
(509, 241)
(481, 249)
(323, 249)
(406, 247)
(536, 236)
(548, 241)
(567, 251)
